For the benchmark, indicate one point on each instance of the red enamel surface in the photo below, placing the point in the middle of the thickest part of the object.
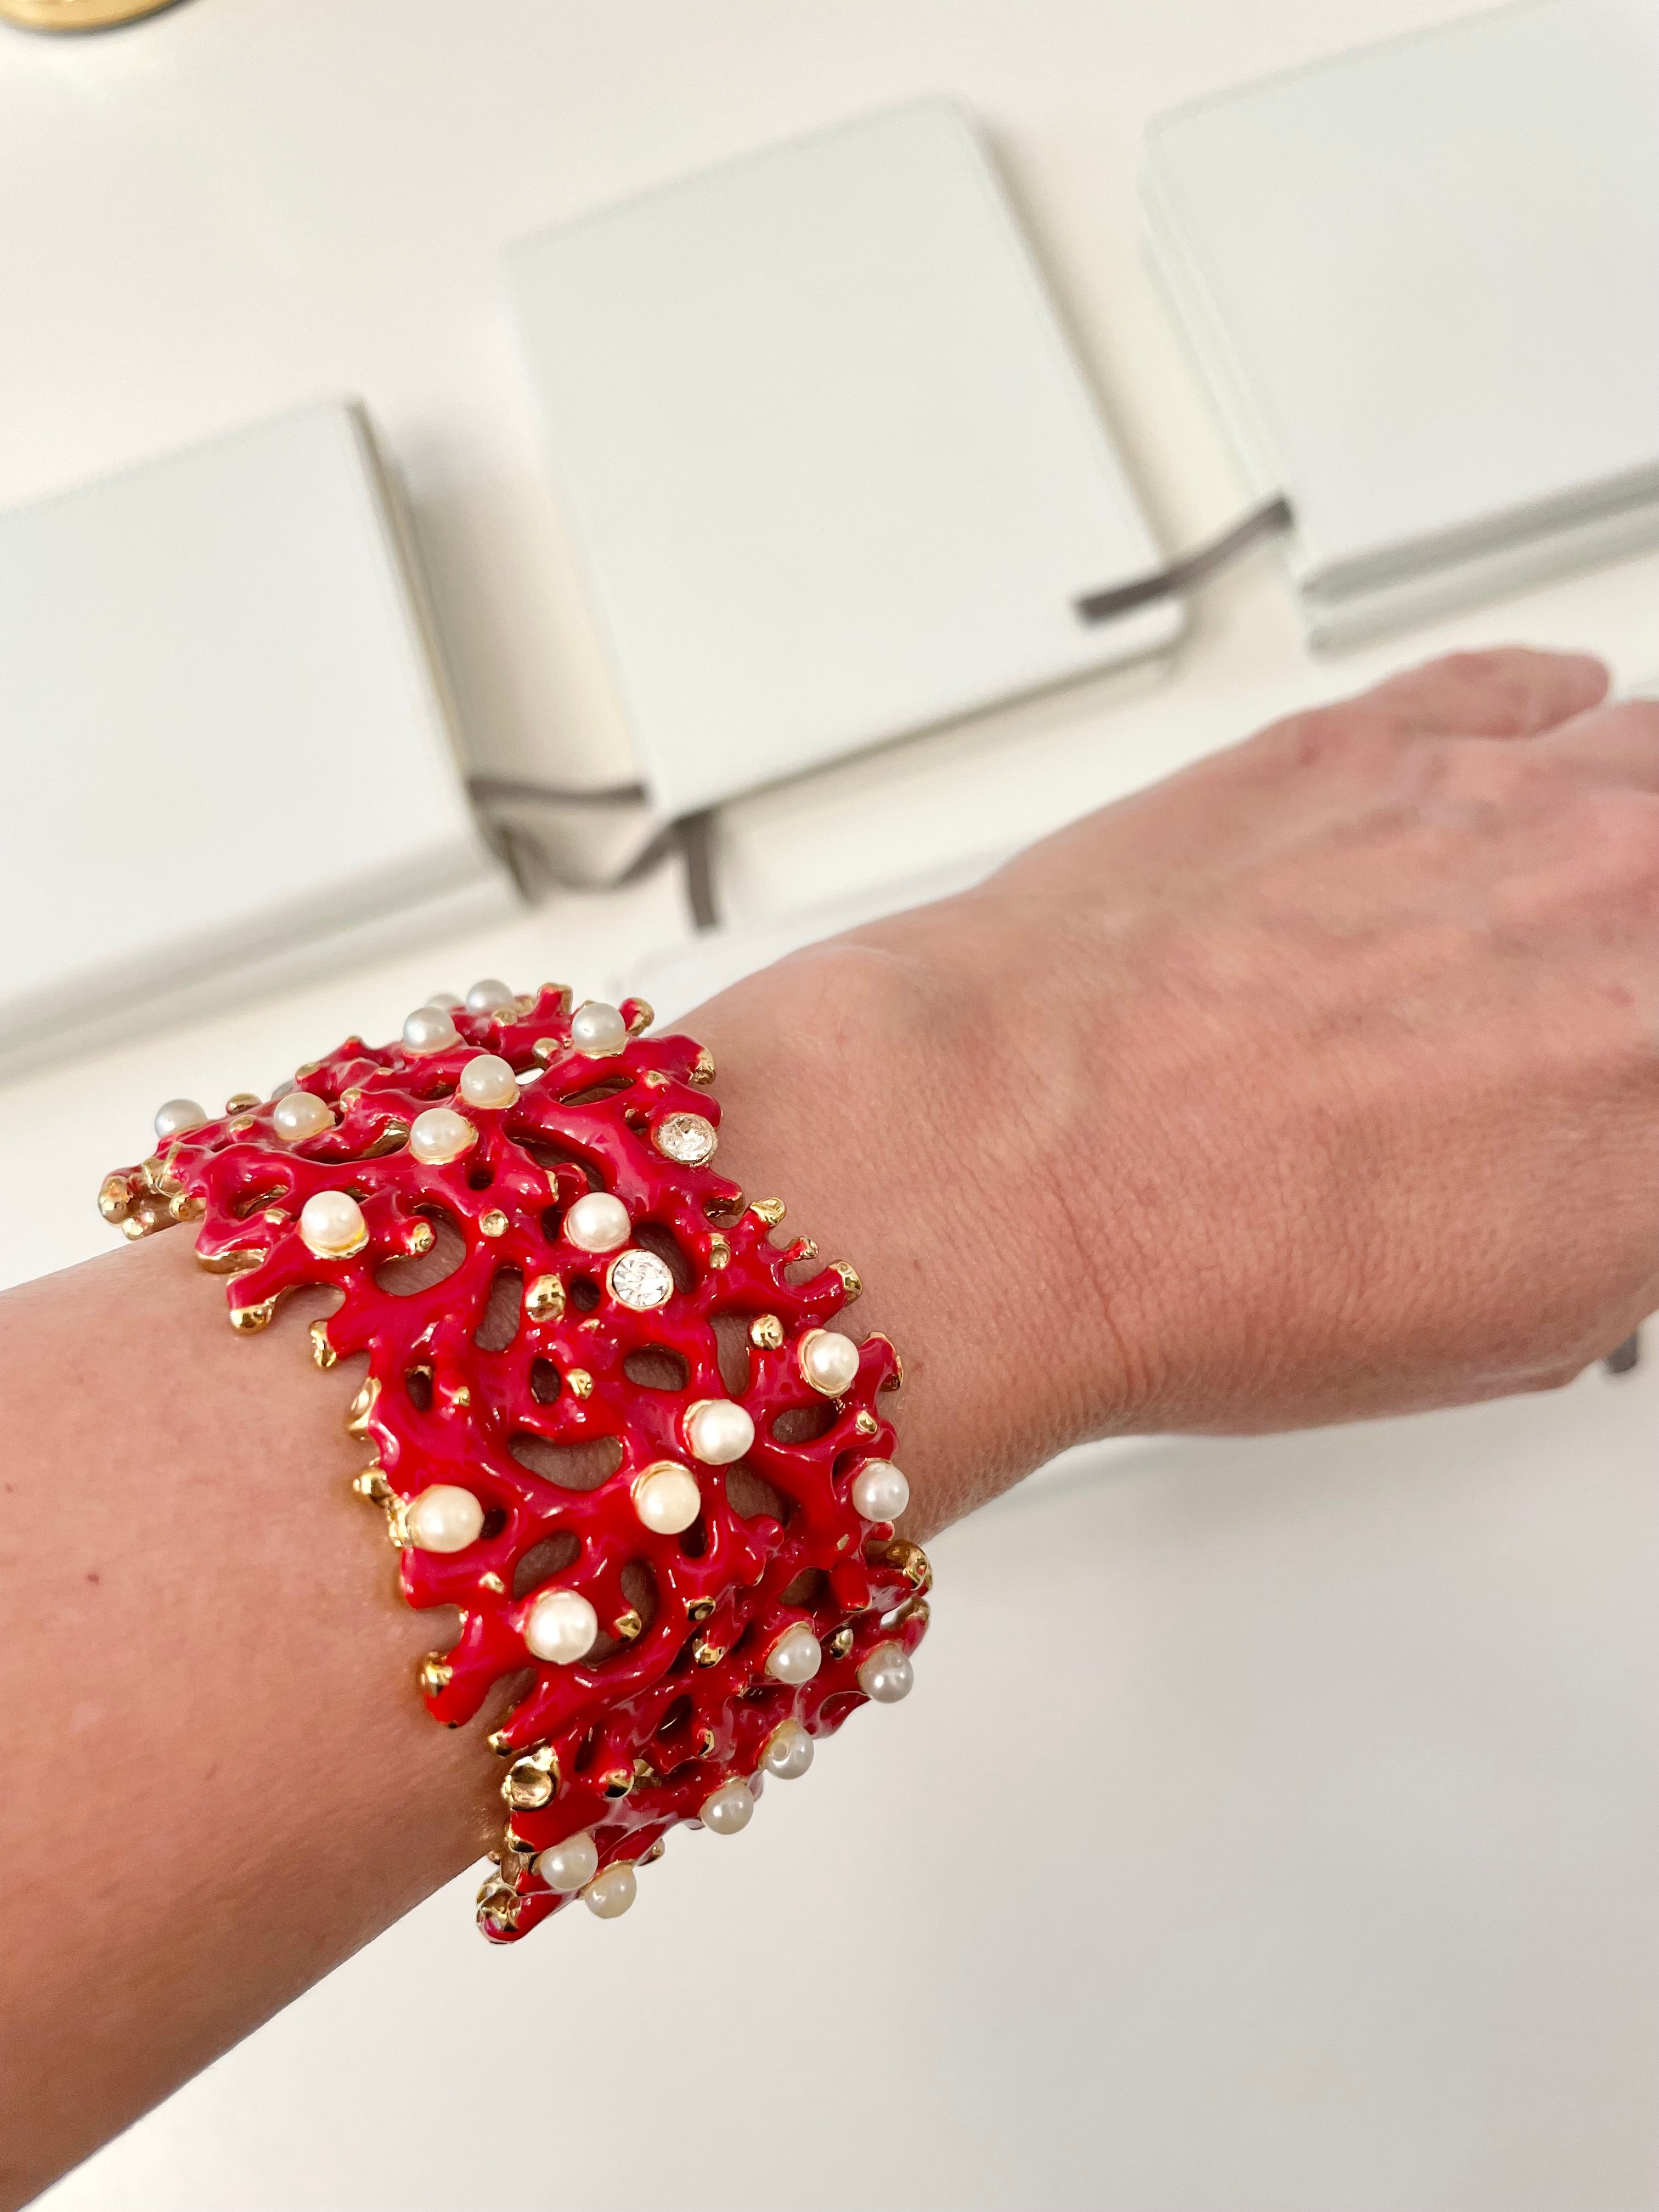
(641, 1736)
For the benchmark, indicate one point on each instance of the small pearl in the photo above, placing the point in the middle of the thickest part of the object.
(886, 1675)
(788, 1751)
(178, 1115)
(445, 1518)
(609, 1895)
(796, 1656)
(429, 1029)
(727, 1809)
(439, 1135)
(598, 1222)
(488, 1081)
(829, 1361)
(718, 1430)
(447, 1000)
(489, 996)
(880, 1493)
(300, 1115)
(667, 1497)
(596, 1028)
(570, 1865)
(561, 1626)
(331, 1225)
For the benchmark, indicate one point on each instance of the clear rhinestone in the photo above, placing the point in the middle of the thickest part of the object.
(640, 1280)
(688, 1138)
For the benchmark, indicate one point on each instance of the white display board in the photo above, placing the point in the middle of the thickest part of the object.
(832, 468)
(1423, 282)
(227, 749)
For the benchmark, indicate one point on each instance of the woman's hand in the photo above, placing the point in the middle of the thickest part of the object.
(1319, 1082)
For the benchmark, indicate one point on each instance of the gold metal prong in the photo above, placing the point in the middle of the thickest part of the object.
(641, 1019)
(362, 1406)
(865, 1423)
(321, 1350)
(720, 1250)
(771, 1211)
(493, 1223)
(114, 1196)
(766, 1330)
(627, 1625)
(434, 1674)
(247, 1321)
(421, 1237)
(543, 1298)
(852, 1281)
(702, 1068)
(579, 1382)
(243, 1102)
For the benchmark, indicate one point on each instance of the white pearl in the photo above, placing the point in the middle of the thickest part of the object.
(796, 1656)
(829, 1361)
(886, 1675)
(439, 1135)
(331, 1225)
(178, 1115)
(447, 1000)
(489, 996)
(300, 1115)
(429, 1029)
(880, 1493)
(561, 1626)
(718, 1430)
(609, 1895)
(598, 1222)
(596, 1028)
(489, 1081)
(570, 1865)
(667, 1497)
(788, 1751)
(727, 1809)
(444, 1518)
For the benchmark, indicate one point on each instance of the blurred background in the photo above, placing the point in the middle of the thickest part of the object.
(606, 493)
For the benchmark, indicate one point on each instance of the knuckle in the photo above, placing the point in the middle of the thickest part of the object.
(1353, 734)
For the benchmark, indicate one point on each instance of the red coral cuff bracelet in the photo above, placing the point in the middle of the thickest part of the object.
(616, 1435)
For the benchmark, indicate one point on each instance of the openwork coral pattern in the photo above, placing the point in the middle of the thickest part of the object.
(673, 1700)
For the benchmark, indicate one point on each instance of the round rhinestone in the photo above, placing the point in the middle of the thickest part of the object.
(640, 1280)
(688, 1138)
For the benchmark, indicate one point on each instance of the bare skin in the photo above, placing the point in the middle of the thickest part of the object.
(1315, 1084)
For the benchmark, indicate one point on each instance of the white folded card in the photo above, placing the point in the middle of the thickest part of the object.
(229, 757)
(1422, 281)
(832, 468)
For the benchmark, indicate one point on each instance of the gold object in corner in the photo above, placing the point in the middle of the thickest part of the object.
(77, 15)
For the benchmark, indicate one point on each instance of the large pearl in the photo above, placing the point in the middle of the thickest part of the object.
(331, 1225)
(596, 1028)
(829, 1361)
(441, 1134)
(609, 1895)
(727, 1809)
(880, 1493)
(447, 1000)
(886, 1675)
(667, 1497)
(561, 1626)
(489, 1081)
(788, 1751)
(718, 1430)
(300, 1115)
(570, 1865)
(430, 1029)
(444, 1518)
(488, 995)
(598, 1222)
(796, 1656)
(176, 1116)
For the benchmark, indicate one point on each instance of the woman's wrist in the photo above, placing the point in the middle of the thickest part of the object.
(883, 1083)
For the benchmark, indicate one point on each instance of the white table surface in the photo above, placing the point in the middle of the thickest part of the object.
(1274, 1823)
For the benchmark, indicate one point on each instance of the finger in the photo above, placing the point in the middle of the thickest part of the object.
(1617, 744)
(1511, 692)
